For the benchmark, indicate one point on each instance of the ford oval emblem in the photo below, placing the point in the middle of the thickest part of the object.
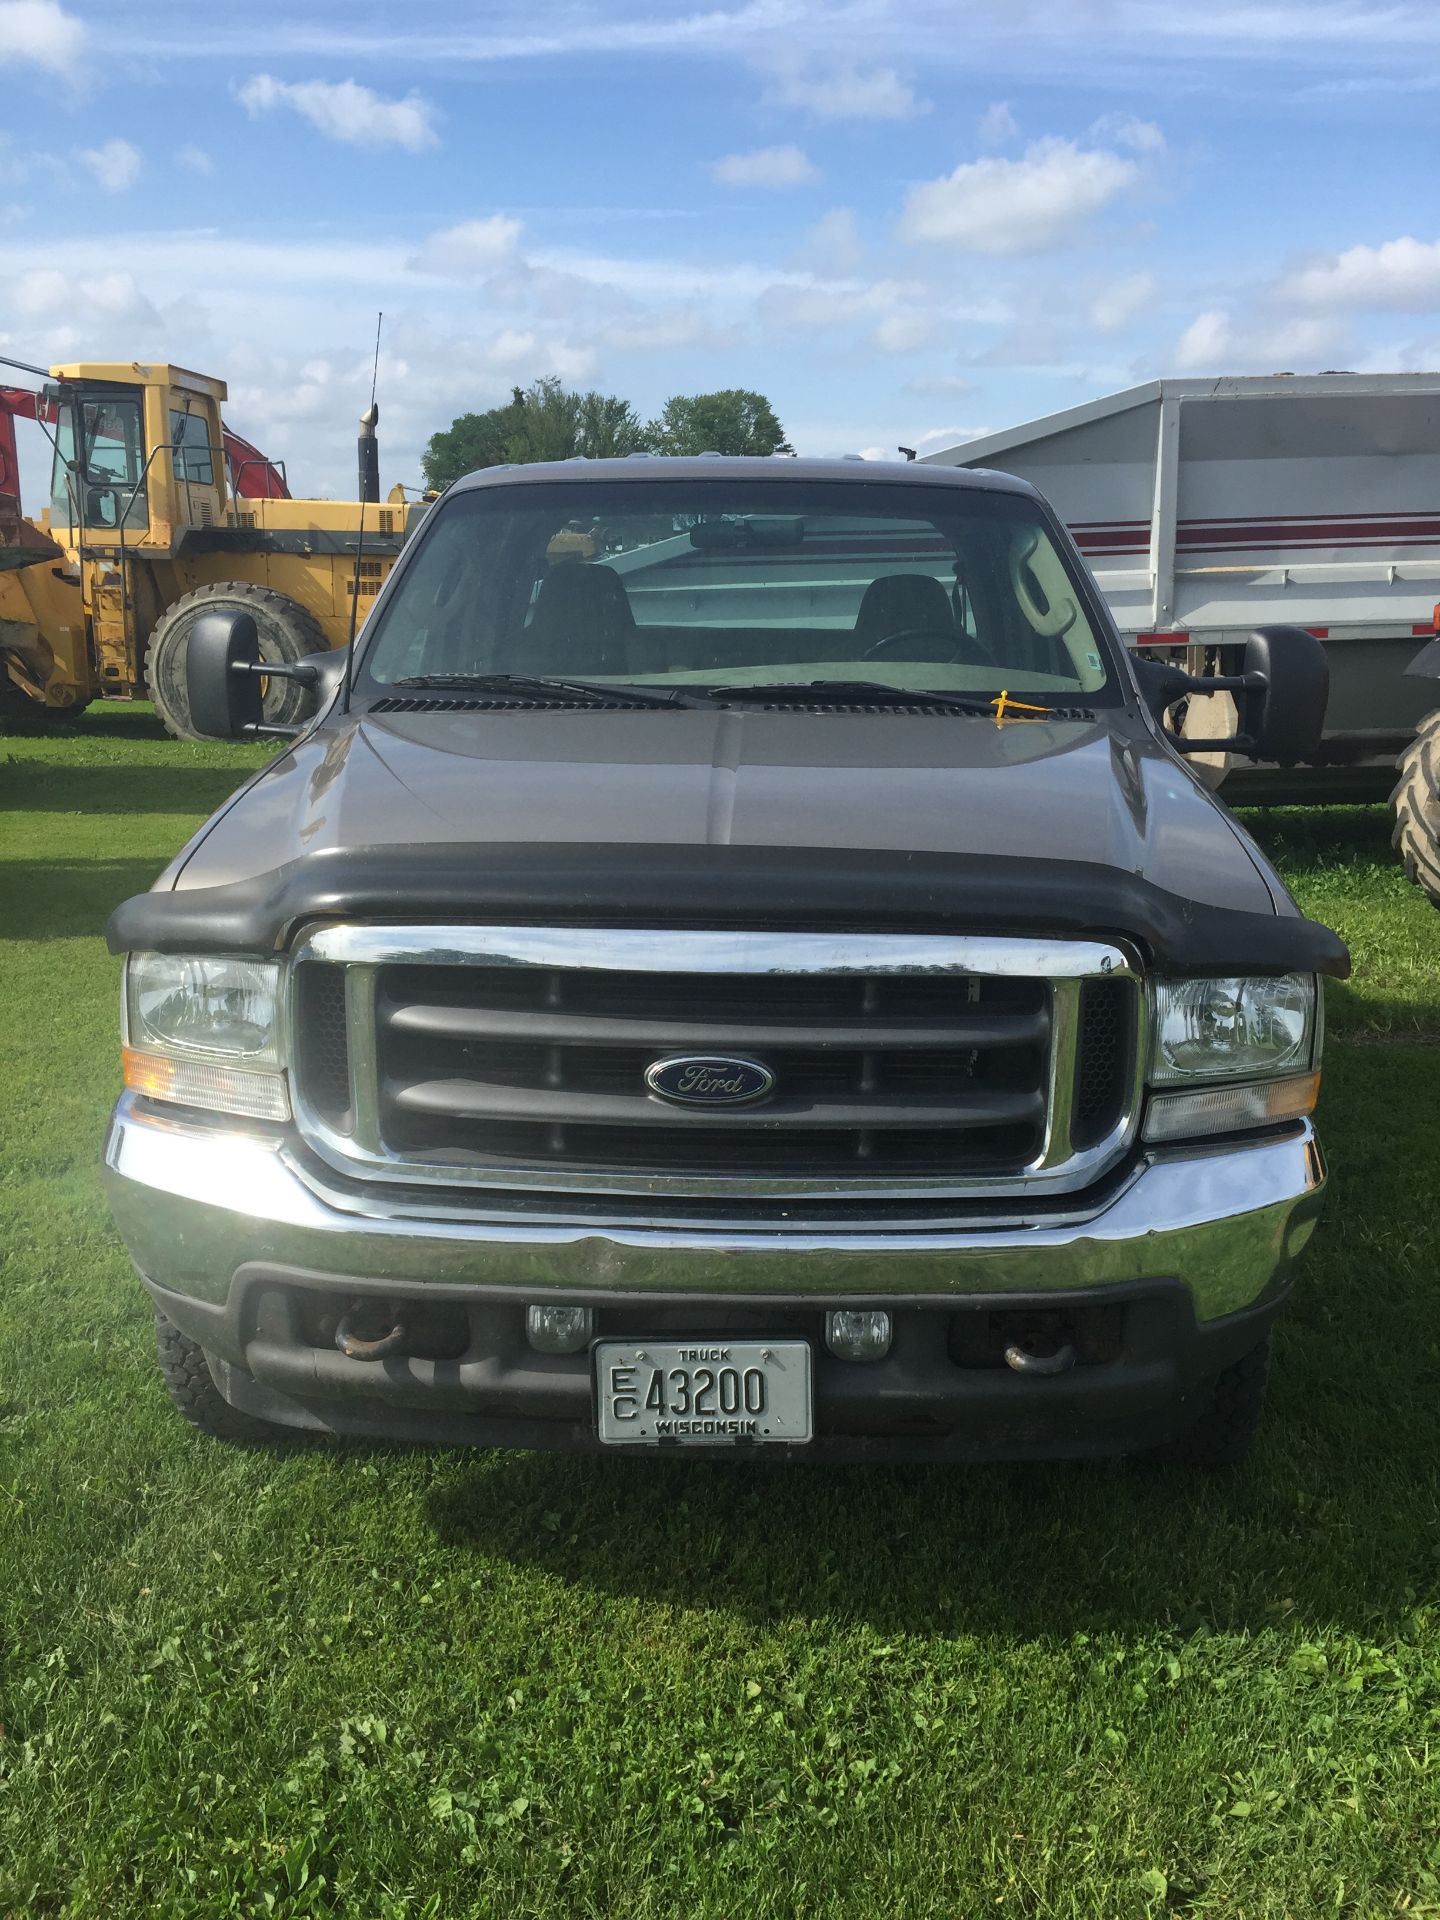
(709, 1080)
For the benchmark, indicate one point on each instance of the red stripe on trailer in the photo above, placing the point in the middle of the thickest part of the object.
(1318, 633)
(1162, 640)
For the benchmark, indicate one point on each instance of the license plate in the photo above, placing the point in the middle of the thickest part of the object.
(708, 1393)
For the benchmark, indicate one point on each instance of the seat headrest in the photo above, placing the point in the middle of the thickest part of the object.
(898, 601)
(582, 621)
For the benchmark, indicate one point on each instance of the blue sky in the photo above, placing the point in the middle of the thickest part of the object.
(906, 221)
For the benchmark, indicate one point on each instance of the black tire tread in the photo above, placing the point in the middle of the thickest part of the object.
(296, 628)
(1225, 1431)
(1416, 801)
(188, 1380)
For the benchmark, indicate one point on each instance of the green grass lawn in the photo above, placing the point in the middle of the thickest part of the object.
(386, 1684)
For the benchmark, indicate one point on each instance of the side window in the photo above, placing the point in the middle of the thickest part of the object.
(62, 482)
(190, 437)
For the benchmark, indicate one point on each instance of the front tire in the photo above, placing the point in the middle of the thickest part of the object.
(192, 1388)
(1416, 801)
(287, 633)
(1225, 1431)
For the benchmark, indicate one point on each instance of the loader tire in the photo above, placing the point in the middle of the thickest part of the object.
(287, 632)
(1416, 801)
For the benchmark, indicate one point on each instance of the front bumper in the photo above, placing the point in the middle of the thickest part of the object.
(244, 1251)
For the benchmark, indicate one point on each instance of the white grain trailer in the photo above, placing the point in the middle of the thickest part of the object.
(1208, 507)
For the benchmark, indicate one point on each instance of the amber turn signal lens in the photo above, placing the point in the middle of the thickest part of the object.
(195, 1083)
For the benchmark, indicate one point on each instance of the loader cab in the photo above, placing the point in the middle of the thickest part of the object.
(138, 454)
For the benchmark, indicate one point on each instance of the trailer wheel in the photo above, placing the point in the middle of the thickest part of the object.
(1416, 801)
(287, 632)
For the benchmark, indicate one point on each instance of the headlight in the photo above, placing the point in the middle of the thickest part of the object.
(1234, 1029)
(205, 1033)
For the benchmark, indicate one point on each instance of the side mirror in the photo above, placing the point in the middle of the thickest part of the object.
(225, 676)
(222, 658)
(1284, 713)
(1280, 696)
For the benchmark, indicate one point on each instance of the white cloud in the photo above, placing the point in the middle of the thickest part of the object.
(1124, 130)
(1017, 206)
(1205, 343)
(940, 383)
(41, 32)
(195, 160)
(849, 93)
(471, 250)
(668, 331)
(1399, 276)
(905, 332)
(1121, 301)
(518, 350)
(110, 299)
(998, 125)
(818, 306)
(766, 167)
(833, 245)
(116, 165)
(344, 110)
(1214, 342)
(1084, 40)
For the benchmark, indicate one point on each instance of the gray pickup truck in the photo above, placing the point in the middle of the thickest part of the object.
(736, 959)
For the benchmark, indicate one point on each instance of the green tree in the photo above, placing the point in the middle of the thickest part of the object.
(544, 421)
(731, 421)
(609, 428)
(471, 440)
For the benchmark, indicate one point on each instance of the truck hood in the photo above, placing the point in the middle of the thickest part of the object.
(1104, 793)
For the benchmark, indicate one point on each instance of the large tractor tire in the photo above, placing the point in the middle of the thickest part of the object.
(1416, 801)
(287, 633)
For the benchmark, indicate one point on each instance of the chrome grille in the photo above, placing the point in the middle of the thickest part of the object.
(902, 1063)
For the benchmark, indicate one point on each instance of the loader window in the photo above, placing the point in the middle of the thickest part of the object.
(190, 438)
(105, 468)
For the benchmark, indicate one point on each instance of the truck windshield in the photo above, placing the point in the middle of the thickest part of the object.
(669, 584)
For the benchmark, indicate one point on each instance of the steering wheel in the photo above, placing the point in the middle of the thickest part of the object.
(944, 643)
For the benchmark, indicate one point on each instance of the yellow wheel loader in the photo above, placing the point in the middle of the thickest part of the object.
(150, 524)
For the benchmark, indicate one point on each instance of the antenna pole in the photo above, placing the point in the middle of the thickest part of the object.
(348, 678)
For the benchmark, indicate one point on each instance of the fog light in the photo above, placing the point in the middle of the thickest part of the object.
(559, 1329)
(852, 1335)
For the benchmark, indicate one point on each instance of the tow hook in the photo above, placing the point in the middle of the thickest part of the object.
(355, 1346)
(1044, 1365)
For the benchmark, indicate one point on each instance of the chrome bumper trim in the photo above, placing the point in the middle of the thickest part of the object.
(194, 1202)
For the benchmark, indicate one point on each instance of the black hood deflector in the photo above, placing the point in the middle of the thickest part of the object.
(729, 887)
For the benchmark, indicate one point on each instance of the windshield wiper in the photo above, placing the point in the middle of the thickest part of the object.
(535, 686)
(853, 692)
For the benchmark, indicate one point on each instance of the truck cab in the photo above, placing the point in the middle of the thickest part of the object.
(735, 962)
